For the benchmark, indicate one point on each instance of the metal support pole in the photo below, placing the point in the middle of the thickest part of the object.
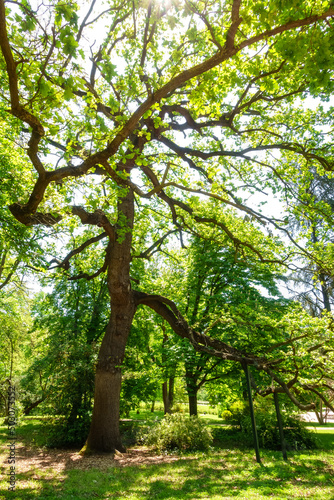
(280, 426)
(251, 408)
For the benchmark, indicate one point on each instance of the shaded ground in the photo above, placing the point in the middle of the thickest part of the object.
(218, 475)
(32, 459)
(221, 474)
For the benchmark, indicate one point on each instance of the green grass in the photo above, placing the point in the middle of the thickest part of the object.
(206, 412)
(227, 474)
(146, 415)
(32, 431)
(223, 474)
(325, 438)
(211, 419)
(316, 424)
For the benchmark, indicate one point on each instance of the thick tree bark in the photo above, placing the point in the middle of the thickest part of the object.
(104, 433)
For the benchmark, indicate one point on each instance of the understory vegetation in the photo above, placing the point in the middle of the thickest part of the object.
(226, 471)
(177, 432)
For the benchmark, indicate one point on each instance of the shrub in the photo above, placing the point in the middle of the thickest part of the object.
(179, 432)
(131, 433)
(230, 436)
(235, 414)
(296, 434)
(63, 433)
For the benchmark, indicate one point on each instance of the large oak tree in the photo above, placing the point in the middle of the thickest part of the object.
(131, 112)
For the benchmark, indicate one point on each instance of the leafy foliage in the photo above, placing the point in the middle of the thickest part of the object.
(15, 323)
(68, 323)
(178, 432)
(296, 433)
(62, 433)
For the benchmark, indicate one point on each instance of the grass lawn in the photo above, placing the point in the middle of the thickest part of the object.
(218, 474)
(325, 438)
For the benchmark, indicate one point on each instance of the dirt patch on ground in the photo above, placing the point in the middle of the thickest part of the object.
(32, 461)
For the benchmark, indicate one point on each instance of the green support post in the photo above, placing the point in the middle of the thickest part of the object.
(280, 426)
(251, 408)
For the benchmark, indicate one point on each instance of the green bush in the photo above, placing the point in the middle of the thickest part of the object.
(235, 413)
(179, 432)
(296, 434)
(63, 433)
(130, 433)
(230, 436)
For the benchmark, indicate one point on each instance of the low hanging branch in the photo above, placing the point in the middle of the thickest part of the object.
(216, 348)
(203, 343)
(320, 396)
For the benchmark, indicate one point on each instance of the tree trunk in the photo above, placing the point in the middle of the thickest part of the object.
(322, 278)
(165, 398)
(319, 414)
(171, 391)
(168, 394)
(192, 390)
(104, 434)
(324, 290)
(168, 385)
(192, 404)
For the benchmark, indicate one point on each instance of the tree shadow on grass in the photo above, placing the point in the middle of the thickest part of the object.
(217, 475)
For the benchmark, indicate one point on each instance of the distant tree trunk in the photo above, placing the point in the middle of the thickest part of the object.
(6, 407)
(11, 360)
(171, 391)
(168, 394)
(165, 398)
(152, 406)
(168, 385)
(321, 414)
(192, 390)
(324, 290)
(192, 404)
(322, 278)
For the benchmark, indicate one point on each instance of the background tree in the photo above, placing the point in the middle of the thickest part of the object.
(313, 282)
(141, 366)
(206, 280)
(15, 323)
(59, 379)
(187, 101)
